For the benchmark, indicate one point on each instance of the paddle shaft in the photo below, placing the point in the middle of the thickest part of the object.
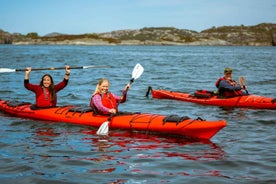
(246, 90)
(63, 68)
(59, 68)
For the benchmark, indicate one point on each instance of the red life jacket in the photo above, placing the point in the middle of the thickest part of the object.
(43, 96)
(44, 99)
(109, 101)
(218, 81)
(229, 93)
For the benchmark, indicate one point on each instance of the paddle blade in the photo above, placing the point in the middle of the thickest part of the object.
(5, 70)
(242, 81)
(137, 71)
(103, 130)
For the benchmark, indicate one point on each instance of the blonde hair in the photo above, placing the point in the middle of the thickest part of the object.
(97, 89)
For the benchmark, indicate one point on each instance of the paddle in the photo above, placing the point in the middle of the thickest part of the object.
(4, 70)
(104, 128)
(242, 83)
(136, 73)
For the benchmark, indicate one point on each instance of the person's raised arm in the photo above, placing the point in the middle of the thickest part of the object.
(27, 73)
(124, 93)
(67, 72)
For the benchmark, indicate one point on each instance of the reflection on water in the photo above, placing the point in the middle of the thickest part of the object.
(234, 113)
(119, 141)
(123, 151)
(204, 150)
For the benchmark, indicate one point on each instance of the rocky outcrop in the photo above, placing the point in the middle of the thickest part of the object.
(161, 36)
(273, 39)
(5, 37)
(258, 35)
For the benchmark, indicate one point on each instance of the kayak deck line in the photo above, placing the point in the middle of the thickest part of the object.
(173, 125)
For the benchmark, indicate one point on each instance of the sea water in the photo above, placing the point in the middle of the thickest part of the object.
(50, 152)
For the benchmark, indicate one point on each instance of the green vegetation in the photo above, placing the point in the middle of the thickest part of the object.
(32, 35)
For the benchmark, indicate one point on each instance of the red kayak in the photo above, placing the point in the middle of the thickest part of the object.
(145, 122)
(209, 98)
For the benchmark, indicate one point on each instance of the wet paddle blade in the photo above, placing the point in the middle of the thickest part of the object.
(137, 71)
(5, 70)
(103, 130)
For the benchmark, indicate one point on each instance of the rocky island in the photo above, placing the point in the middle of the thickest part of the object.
(258, 35)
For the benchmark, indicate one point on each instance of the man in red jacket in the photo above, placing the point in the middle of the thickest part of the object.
(227, 86)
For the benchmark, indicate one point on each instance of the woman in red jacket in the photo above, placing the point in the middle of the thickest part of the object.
(45, 92)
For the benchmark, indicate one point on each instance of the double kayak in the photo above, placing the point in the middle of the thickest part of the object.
(148, 123)
(209, 98)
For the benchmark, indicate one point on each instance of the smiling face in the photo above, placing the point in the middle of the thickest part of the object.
(103, 87)
(46, 81)
(228, 75)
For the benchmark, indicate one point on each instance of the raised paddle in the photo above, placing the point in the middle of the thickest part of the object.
(5, 70)
(136, 73)
(241, 81)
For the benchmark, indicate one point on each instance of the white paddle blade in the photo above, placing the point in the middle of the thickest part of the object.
(137, 71)
(241, 81)
(5, 70)
(103, 130)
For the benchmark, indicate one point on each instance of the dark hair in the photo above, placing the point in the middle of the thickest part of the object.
(51, 87)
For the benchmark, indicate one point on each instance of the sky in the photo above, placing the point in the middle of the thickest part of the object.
(99, 16)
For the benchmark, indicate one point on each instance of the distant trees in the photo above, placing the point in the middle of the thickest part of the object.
(33, 35)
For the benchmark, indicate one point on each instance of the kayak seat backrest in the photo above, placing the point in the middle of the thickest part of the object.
(124, 113)
(16, 103)
(204, 94)
(174, 119)
(81, 109)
